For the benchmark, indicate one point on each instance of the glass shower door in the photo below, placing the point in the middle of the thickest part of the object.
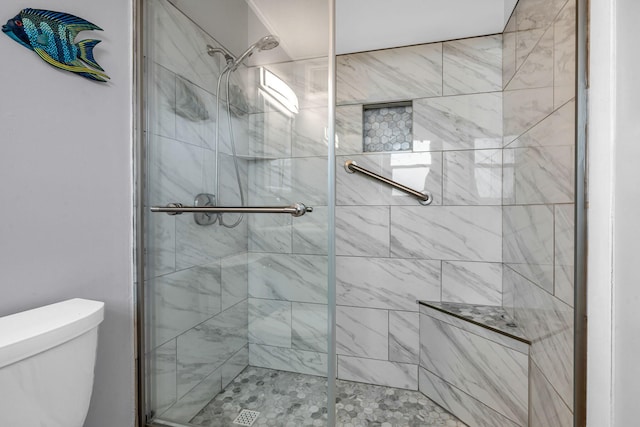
(236, 300)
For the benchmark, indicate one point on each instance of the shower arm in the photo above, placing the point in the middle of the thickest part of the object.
(296, 209)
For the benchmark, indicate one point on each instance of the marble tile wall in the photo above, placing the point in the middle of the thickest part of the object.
(288, 256)
(460, 367)
(538, 196)
(391, 250)
(197, 289)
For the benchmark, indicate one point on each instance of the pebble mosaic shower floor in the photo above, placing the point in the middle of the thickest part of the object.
(286, 399)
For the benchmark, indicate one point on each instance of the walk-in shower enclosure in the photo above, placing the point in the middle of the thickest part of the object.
(219, 299)
(272, 253)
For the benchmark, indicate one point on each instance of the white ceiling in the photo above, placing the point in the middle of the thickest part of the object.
(361, 25)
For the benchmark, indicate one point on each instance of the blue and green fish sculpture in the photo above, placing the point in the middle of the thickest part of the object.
(51, 35)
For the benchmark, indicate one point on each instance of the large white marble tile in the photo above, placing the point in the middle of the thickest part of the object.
(232, 133)
(234, 366)
(352, 189)
(206, 347)
(235, 279)
(537, 14)
(544, 175)
(386, 283)
(472, 282)
(309, 327)
(181, 46)
(537, 69)
(547, 408)
(362, 231)
(458, 122)
(528, 242)
(229, 194)
(472, 65)
(286, 359)
(456, 233)
(523, 109)
(362, 332)
(195, 114)
(495, 375)
(271, 134)
(472, 177)
(270, 233)
(281, 182)
(161, 102)
(508, 56)
(197, 245)
(162, 245)
(175, 171)
(549, 323)
(378, 372)
(508, 177)
(163, 377)
(564, 54)
(420, 171)
(224, 185)
(272, 182)
(183, 299)
(310, 137)
(404, 337)
(470, 410)
(310, 183)
(301, 278)
(481, 331)
(307, 78)
(349, 129)
(556, 130)
(564, 252)
(526, 40)
(195, 399)
(310, 235)
(375, 76)
(270, 322)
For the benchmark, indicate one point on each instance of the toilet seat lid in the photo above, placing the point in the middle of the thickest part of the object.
(28, 333)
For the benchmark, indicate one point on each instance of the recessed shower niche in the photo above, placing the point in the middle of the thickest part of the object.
(388, 127)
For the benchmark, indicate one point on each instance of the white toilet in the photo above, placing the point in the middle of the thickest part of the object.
(47, 356)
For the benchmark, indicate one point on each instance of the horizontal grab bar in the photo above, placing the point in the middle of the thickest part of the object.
(297, 209)
(424, 198)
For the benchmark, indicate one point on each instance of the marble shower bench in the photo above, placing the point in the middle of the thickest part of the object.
(474, 362)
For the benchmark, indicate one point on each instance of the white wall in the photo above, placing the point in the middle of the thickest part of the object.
(600, 220)
(626, 231)
(65, 181)
(614, 233)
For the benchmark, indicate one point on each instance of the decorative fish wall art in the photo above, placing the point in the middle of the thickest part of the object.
(51, 35)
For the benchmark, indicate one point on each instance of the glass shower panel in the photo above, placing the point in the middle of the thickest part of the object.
(236, 303)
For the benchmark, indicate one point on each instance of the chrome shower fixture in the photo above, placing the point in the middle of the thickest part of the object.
(265, 43)
(228, 56)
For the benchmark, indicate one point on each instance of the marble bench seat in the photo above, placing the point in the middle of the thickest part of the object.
(474, 362)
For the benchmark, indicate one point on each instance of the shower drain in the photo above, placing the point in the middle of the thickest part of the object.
(246, 417)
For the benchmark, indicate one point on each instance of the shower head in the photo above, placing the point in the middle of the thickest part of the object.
(265, 43)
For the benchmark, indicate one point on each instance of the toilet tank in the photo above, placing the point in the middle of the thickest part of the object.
(47, 359)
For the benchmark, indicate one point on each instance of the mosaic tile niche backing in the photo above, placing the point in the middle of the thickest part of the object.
(388, 128)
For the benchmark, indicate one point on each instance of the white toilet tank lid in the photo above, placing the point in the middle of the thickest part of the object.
(31, 332)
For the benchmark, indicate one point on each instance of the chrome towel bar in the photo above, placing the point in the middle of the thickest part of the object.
(297, 209)
(424, 198)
